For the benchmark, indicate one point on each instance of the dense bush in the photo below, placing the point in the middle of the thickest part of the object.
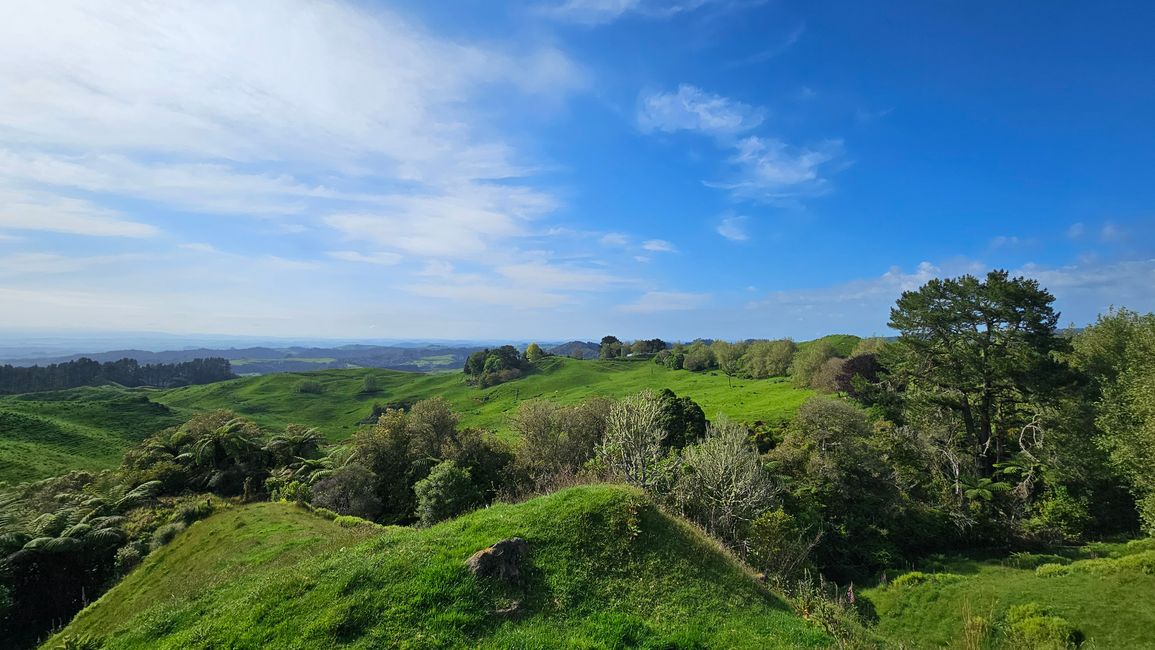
(167, 533)
(448, 491)
(349, 490)
(1031, 627)
(310, 387)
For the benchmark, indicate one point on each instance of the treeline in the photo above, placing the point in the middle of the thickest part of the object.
(126, 372)
(491, 367)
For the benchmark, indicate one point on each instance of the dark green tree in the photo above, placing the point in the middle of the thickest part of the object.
(980, 348)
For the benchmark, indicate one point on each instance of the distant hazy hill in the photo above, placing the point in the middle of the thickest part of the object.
(263, 360)
(576, 349)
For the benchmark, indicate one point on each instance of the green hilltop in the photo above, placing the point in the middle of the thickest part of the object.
(45, 434)
(605, 569)
(1102, 590)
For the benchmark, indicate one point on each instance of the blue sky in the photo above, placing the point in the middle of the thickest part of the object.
(564, 168)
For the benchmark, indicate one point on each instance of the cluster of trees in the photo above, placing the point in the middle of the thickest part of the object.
(612, 348)
(491, 367)
(822, 364)
(126, 372)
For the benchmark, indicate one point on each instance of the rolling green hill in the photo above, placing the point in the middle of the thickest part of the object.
(606, 569)
(45, 434)
(274, 400)
(1106, 599)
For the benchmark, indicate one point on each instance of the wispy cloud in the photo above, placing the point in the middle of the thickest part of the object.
(1111, 233)
(762, 169)
(733, 227)
(659, 246)
(768, 170)
(661, 301)
(1076, 230)
(790, 40)
(23, 210)
(692, 109)
(600, 12)
(379, 258)
(1006, 241)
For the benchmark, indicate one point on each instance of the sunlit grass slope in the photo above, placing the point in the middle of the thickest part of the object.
(1107, 600)
(606, 569)
(274, 401)
(46, 434)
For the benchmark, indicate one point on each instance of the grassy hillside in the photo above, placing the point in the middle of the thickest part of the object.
(46, 434)
(843, 344)
(606, 569)
(273, 400)
(1107, 600)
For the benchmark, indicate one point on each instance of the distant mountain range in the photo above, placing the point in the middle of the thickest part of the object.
(263, 360)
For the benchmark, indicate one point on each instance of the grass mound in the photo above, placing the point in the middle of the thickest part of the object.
(1098, 595)
(605, 569)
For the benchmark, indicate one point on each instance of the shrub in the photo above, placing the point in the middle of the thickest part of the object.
(779, 546)
(350, 490)
(1052, 570)
(917, 578)
(349, 521)
(1031, 627)
(166, 534)
(325, 513)
(190, 512)
(369, 385)
(447, 492)
(1142, 562)
(128, 556)
(1060, 518)
(723, 485)
(1023, 560)
(294, 491)
(310, 387)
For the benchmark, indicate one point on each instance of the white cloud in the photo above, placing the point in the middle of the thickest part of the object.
(692, 109)
(343, 117)
(615, 239)
(662, 301)
(1111, 233)
(770, 171)
(539, 275)
(20, 210)
(1076, 230)
(659, 246)
(600, 12)
(734, 228)
(379, 258)
(1005, 241)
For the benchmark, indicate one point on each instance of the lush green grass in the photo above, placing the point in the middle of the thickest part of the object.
(606, 570)
(46, 434)
(1112, 608)
(273, 400)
